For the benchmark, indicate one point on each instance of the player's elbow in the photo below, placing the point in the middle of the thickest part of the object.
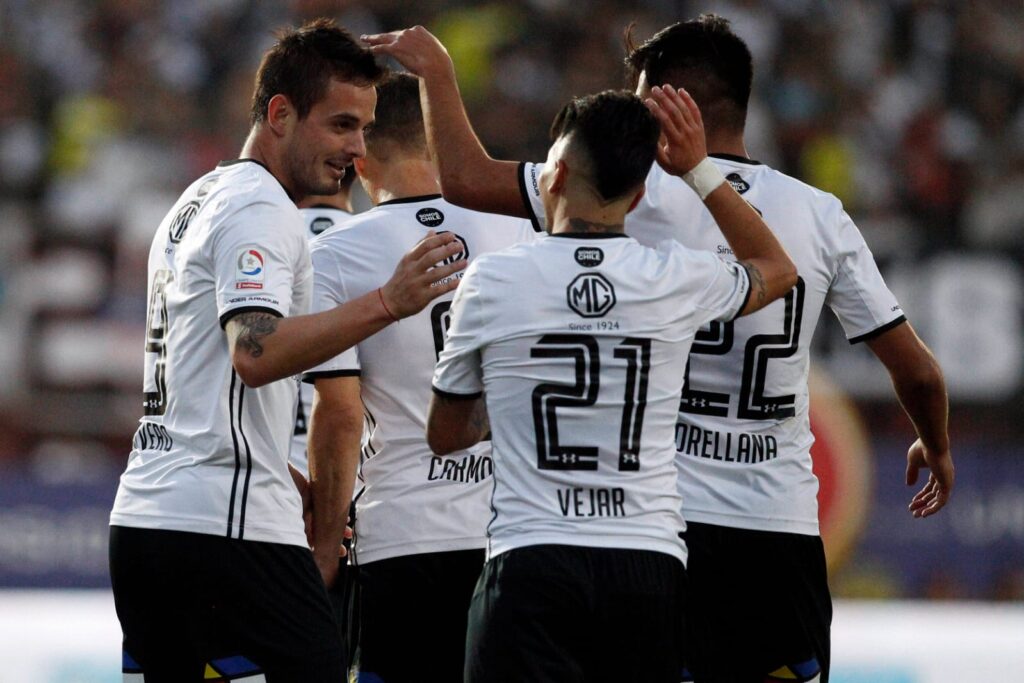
(457, 189)
(920, 376)
(252, 373)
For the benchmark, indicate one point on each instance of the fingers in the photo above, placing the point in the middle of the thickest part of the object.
(438, 254)
(666, 111)
(377, 39)
(431, 241)
(912, 471)
(932, 498)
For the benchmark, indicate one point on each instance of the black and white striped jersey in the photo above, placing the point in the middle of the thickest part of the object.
(210, 455)
(411, 501)
(579, 342)
(744, 434)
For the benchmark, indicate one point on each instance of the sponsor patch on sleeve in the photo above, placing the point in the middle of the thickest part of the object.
(249, 269)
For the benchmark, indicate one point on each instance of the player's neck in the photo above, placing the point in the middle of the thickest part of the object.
(257, 149)
(725, 142)
(568, 218)
(403, 179)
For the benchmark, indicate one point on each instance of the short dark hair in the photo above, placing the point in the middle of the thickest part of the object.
(302, 62)
(704, 56)
(398, 119)
(617, 133)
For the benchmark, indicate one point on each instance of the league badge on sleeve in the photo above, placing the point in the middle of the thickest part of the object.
(249, 269)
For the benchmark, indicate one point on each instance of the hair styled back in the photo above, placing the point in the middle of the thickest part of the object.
(618, 135)
(398, 119)
(302, 62)
(706, 58)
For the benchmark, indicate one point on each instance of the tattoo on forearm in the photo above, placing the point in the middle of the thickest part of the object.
(252, 328)
(478, 421)
(758, 288)
(581, 225)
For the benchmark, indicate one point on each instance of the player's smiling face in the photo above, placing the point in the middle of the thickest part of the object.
(329, 138)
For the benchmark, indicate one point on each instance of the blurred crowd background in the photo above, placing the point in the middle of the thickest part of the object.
(910, 111)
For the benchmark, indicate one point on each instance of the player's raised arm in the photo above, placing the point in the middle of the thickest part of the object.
(265, 348)
(921, 389)
(469, 176)
(682, 151)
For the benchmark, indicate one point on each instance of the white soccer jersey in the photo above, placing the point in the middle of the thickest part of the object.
(412, 501)
(744, 433)
(318, 219)
(210, 455)
(579, 343)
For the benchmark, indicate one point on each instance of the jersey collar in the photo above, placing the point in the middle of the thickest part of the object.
(232, 162)
(737, 159)
(410, 200)
(589, 235)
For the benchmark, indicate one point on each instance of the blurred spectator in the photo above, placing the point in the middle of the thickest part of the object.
(909, 111)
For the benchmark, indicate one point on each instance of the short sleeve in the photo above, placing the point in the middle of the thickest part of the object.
(529, 188)
(459, 371)
(727, 289)
(254, 256)
(329, 292)
(858, 295)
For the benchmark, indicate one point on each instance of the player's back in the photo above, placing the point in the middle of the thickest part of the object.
(744, 434)
(583, 341)
(411, 501)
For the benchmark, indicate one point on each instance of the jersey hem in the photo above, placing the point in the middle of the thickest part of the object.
(789, 526)
(455, 396)
(232, 312)
(676, 550)
(525, 195)
(312, 377)
(362, 556)
(252, 533)
(867, 336)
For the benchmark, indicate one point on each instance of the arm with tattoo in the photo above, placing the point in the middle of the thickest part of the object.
(455, 423)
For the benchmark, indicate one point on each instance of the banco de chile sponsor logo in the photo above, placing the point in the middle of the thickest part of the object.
(738, 183)
(590, 295)
(589, 257)
(430, 217)
(320, 224)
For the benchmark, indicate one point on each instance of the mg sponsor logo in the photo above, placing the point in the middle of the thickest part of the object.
(590, 295)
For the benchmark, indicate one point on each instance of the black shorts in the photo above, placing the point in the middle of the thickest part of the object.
(412, 616)
(564, 614)
(760, 608)
(188, 600)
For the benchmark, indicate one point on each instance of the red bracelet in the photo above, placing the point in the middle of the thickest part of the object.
(386, 309)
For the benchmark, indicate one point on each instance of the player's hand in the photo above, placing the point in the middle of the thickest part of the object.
(418, 279)
(307, 501)
(939, 486)
(414, 48)
(682, 145)
(328, 564)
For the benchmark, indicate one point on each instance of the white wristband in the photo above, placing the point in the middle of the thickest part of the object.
(704, 178)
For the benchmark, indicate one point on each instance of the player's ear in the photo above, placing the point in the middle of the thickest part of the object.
(637, 198)
(359, 163)
(559, 178)
(280, 114)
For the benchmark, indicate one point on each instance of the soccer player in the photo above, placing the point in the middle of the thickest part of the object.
(211, 570)
(319, 212)
(744, 436)
(575, 346)
(420, 519)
